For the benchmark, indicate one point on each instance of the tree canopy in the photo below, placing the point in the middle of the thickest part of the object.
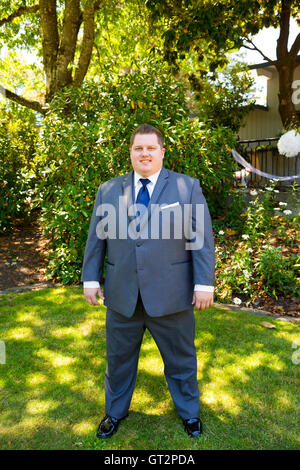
(75, 38)
(214, 28)
(62, 33)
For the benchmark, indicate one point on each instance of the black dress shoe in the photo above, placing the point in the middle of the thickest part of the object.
(193, 426)
(108, 426)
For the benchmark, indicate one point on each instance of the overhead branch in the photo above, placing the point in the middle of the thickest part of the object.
(295, 47)
(35, 105)
(255, 48)
(87, 42)
(19, 12)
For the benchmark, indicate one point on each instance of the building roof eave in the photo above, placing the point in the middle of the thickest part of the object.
(263, 65)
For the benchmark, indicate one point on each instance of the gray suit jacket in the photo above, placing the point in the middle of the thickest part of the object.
(161, 268)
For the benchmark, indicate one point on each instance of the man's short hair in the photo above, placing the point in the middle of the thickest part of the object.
(148, 129)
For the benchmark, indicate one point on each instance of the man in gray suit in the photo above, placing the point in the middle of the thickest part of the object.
(160, 264)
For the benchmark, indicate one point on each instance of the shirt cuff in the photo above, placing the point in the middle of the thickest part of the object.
(198, 287)
(203, 288)
(91, 284)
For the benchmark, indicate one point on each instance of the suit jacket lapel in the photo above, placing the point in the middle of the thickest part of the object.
(161, 183)
(128, 191)
(127, 187)
(159, 187)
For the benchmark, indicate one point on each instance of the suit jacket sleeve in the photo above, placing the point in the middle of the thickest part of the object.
(95, 248)
(203, 258)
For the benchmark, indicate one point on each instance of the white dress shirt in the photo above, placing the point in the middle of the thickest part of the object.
(150, 186)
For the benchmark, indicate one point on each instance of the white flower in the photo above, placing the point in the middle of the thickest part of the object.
(287, 212)
(221, 232)
(253, 192)
(276, 191)
(247, 274)
(289, 144)
(282, 203)
(276, 208)
(245, 237)
(237, 301)
(269, 189)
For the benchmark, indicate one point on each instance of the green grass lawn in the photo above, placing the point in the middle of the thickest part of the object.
(52, 384)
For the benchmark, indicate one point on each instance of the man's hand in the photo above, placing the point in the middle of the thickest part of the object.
(202, 300)
(90, 295)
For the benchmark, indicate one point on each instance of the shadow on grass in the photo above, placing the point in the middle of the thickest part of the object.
(52, 392)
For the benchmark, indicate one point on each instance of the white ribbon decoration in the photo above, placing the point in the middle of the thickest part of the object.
(251, 168)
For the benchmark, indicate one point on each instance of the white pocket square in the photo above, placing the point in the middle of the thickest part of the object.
(170, 205)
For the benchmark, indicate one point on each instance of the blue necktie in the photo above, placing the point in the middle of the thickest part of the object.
(143, 194)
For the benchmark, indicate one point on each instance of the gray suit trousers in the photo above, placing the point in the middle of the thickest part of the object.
(174, 335)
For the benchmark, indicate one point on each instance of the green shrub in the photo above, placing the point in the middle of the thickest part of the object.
(239, 272)
(18, 135)
(86, 141)
(235, 270)
(277, 273)
(246, 262)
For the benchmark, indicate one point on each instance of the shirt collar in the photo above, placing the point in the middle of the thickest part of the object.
(153, 178)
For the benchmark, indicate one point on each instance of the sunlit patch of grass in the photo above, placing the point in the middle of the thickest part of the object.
(35, 379)
(20, 333)
(52, 385)
(83, 428)
(54, 359)
(34, 407)
(65, 376)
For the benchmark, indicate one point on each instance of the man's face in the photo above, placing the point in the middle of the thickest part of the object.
(146, 154)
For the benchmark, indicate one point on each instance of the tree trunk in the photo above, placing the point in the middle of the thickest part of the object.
(59, 46)
(59, 52)
(286, 106)
(50, 42)
(66, 52)
(87, 42)
(286, 64)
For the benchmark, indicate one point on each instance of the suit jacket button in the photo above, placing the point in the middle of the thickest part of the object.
(138, 243)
